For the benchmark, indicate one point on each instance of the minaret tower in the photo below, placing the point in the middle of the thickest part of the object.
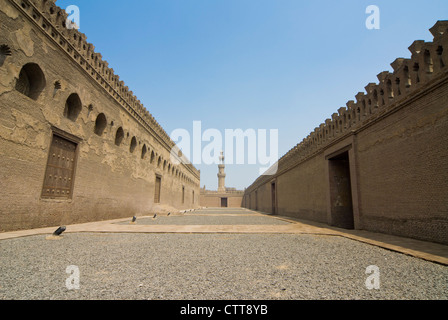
(221, 174)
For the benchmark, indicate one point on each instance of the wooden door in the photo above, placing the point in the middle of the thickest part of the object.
(58, 182)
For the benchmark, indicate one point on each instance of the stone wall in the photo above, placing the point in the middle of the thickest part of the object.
(388, 149)
(212, 199)
(55, 87)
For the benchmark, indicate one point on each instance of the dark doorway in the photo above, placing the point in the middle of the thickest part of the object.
(341, 192)
(274, 207)
(223, 202)
(183, 194)
(157, 189)
(256, 200)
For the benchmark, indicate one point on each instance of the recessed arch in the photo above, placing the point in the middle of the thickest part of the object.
(100, 124)
(144, 151)
(133, 144)
(153, 156)
(119, 136)
(159, 162)
(73, 107)
(31, 81)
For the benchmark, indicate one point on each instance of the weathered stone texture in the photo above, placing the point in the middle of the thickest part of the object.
(111, 179)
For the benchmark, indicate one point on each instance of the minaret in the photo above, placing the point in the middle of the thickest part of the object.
(221, 174)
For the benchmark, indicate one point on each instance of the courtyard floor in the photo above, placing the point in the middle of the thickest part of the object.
(218, 254)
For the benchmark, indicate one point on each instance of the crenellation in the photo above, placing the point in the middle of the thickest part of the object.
(417, 66)
(329, 128)
(75, 44)
(382, 89)
(409, 74)
(336, 123)
(389, 92)
(372, 97)
(427, 59)
(360, 106)
(440, 33)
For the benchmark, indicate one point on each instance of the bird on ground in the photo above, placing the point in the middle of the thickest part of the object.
(59, 231)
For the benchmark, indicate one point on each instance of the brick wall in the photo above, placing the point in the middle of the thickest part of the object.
(110, 181)
(393, 141)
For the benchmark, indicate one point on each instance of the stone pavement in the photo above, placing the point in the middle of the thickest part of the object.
(212, 220)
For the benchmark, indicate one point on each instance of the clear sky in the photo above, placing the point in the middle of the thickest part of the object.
(251, 64)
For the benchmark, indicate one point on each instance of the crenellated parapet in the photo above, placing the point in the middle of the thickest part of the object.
(428, 63)
(52, 21)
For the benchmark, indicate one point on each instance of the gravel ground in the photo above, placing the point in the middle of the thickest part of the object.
(209, 220)
(238, 211)
(211, 266)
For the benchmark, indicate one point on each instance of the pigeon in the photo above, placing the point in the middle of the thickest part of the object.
(134, 218)
(59, 231)
(168, 213)
(155, 216)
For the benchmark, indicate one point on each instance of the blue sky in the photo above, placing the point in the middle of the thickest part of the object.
(251, 64)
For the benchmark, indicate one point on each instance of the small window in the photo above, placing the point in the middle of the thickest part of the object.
(407, 78)
(416, 69)
(389, 89)
(73, 107)
(31, 81)
(440, 53)
(428, 61)
(100, 124)
(397, 82)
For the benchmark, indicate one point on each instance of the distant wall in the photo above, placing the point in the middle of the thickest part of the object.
(381, 163)
(211, 199)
